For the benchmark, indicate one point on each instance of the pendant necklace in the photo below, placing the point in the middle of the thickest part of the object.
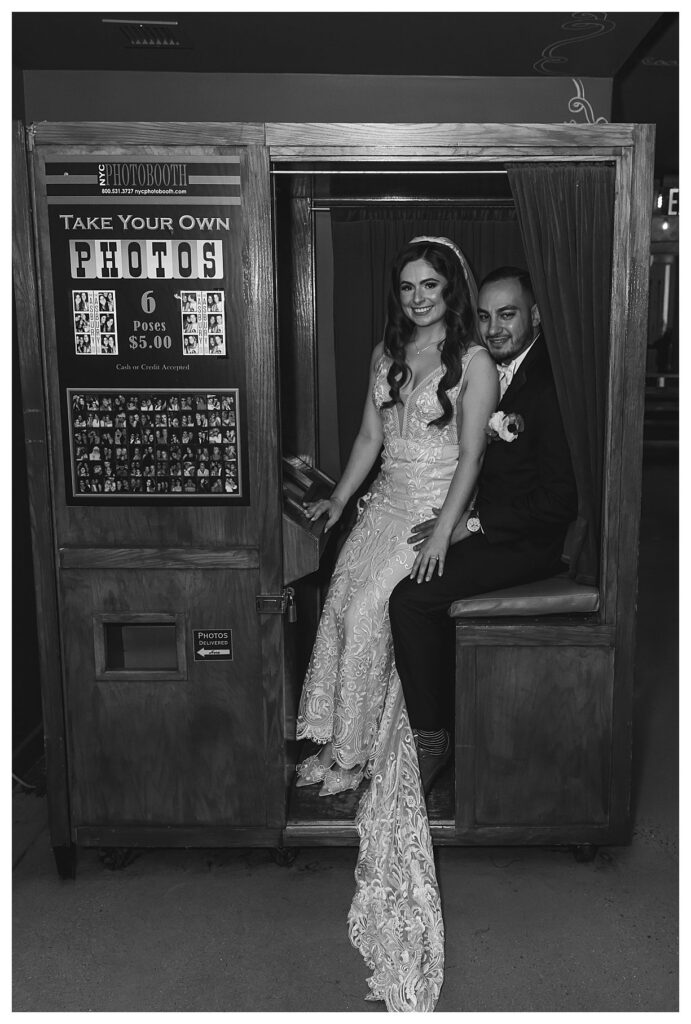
(425, 347)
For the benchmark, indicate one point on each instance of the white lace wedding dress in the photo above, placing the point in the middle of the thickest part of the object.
(352, 696)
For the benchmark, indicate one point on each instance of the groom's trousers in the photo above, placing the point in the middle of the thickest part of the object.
(423, 633)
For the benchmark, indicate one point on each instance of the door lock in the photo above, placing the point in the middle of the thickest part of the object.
(278, 604)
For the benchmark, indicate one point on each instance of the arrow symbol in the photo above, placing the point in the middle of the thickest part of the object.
(203, 652)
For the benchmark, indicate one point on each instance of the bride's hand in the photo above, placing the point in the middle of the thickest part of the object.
(431, 556)
(331, 507)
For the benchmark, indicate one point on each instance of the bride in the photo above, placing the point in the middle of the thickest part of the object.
(432, 389)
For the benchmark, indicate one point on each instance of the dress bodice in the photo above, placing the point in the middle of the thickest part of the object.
(418, 460)
(421, 406)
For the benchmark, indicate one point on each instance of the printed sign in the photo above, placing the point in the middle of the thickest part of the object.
(148, 284)
(213, 645)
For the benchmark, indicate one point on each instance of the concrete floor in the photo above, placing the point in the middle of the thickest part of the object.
(527, 929)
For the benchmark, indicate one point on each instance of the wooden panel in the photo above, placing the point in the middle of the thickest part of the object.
(540, 738)
(210, 526)
(166, 751)
(557, 630)
(158, 558)
(301, 550)
(296, 319)
(105, 673)
(615, 440)
(521, 835)
(40, 514)
(205, 836)
(146, 133)
(262, 374)
(333, 834)
(483, 135)
(487, 154)
(325, 834)
(164, 534)
(321, 834)
(625, 549)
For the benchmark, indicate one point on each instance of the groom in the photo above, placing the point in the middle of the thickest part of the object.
(515, 532)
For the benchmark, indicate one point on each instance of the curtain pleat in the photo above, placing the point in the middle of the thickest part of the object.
(566, 216)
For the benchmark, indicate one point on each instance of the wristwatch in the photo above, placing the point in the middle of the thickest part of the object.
(473, 522)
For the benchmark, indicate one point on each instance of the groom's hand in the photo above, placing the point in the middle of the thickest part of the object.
(421, 532)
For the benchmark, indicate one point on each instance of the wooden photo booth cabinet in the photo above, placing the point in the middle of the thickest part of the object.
(177, 587)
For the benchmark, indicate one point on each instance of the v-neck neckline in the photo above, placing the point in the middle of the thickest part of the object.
(402, 413)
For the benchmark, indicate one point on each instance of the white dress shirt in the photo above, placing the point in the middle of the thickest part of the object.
(507, 371)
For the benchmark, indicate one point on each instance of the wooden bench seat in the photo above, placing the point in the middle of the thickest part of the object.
(534, 721)
(557, 595)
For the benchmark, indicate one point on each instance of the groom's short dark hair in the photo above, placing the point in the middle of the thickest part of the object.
(511, 274)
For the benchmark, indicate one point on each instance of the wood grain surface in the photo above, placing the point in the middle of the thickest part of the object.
(538, 751)
(27, 306)
(158, 558)
(626, 538)
(556, 630)
(262, 382)
(296, 318)
(450, 153)
(485, 136)
(147, 133)
(615, 438)
(152, 750)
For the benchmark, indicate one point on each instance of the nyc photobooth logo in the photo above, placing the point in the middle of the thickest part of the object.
(142, 175)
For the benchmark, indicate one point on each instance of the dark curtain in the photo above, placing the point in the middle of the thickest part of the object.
(365, 241)
(566, 216)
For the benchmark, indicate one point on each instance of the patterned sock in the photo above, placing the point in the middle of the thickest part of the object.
(432, 741)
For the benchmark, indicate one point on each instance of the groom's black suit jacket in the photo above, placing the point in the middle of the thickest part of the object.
(526, 488)
(526, 500)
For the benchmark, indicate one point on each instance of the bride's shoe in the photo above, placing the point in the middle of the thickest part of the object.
(338, 780)
(311, 771)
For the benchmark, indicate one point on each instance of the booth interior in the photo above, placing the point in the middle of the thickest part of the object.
(338, 228)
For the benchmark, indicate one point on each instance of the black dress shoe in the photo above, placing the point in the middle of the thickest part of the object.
(431, 767)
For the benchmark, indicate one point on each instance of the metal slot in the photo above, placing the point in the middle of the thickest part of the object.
(139, 645)
(130, 647)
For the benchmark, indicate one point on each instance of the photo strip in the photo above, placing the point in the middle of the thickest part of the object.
(95, 323)
(203, 323)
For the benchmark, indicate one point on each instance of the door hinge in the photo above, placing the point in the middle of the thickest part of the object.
(278, 604)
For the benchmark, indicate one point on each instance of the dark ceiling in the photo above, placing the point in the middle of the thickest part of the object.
(639, 51)
(339, 43)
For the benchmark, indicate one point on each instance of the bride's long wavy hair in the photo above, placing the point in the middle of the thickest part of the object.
(460, 322)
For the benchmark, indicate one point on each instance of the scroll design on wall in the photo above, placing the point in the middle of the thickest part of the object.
(588, 26)
(659, 62)
(578, 104)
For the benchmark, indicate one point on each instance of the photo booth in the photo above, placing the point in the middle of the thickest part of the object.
(196, 305)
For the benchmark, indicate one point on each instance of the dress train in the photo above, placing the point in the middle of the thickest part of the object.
(395, 919)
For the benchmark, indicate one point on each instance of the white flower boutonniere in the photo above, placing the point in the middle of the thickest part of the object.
(504, 426)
